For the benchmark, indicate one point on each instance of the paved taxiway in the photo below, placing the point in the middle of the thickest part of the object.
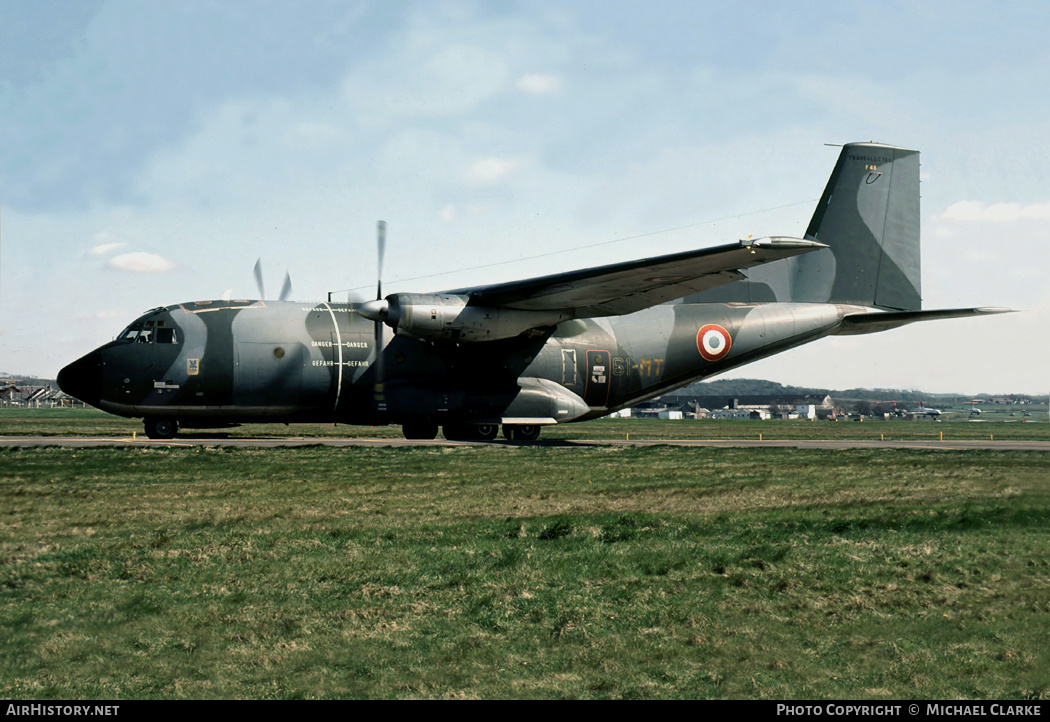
(213, 440)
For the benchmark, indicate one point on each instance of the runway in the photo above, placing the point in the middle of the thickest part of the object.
(292, 441)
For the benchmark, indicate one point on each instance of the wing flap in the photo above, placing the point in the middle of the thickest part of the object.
(627, 287)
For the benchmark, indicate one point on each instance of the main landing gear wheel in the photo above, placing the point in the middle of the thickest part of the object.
(161, 428)
(486, 432)
(471, 432)
(423, 430)
(521, 432)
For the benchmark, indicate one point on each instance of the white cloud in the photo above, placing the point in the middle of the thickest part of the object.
(104, 248)
(487, 170)
(538, 83)
(308, 133)
(425, 78)
(970, 211)
(141, 262)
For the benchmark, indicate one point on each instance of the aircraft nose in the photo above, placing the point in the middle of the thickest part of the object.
(82, 379)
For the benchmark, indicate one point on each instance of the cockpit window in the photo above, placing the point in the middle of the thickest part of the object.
(143, 331)
(132, 332)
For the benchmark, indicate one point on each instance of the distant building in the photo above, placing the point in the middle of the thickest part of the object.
(745, 402)
(806, 411)
(730, 414)
(34, 396)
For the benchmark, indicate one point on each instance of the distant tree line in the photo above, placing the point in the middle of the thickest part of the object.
(877, 400)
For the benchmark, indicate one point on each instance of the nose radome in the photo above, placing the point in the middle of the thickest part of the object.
(82, 379)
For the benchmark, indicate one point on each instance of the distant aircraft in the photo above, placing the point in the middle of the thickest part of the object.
(561, 348)
(925, 410)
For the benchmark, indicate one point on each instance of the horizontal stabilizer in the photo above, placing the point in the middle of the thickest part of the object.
(875, 321)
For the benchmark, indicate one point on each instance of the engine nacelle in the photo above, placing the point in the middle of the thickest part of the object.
(449, 317)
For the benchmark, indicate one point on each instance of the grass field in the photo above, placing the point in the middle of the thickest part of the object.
(523, 572)
(91, 422)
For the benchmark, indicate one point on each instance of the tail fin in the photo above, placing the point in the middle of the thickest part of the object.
(868, 217)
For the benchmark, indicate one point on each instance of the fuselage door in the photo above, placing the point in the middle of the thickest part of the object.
(596, 389)
(268, 374)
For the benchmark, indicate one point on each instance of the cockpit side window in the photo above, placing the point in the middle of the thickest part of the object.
(166, 335)
(132, 332)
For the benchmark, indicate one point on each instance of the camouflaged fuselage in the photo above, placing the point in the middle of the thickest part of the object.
(245, 361)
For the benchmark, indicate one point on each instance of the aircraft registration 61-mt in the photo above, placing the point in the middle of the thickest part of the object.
(521, 355)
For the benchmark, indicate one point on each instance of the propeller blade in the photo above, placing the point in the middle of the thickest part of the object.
(379, 392)
(286, 289)
(380, 252)
(259, 279)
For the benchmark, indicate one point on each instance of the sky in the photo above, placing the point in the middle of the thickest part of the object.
(150, 153)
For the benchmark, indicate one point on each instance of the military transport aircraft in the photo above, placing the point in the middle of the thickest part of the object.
(551, 350)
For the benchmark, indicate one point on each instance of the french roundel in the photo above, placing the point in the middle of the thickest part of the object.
(714, 342)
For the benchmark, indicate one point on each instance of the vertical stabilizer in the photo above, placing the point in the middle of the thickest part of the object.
(868, 216)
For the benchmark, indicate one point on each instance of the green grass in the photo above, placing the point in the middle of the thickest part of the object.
(524, 572)
(91, 422)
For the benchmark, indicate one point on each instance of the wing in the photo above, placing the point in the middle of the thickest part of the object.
(627, 287)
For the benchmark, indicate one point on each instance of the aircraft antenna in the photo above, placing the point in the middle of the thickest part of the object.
(589, 246)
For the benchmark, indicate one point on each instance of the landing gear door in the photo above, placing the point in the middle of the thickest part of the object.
(599, 372)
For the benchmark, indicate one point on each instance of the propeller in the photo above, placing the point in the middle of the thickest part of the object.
(286, 287)
(379, 309)
(380, 395)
